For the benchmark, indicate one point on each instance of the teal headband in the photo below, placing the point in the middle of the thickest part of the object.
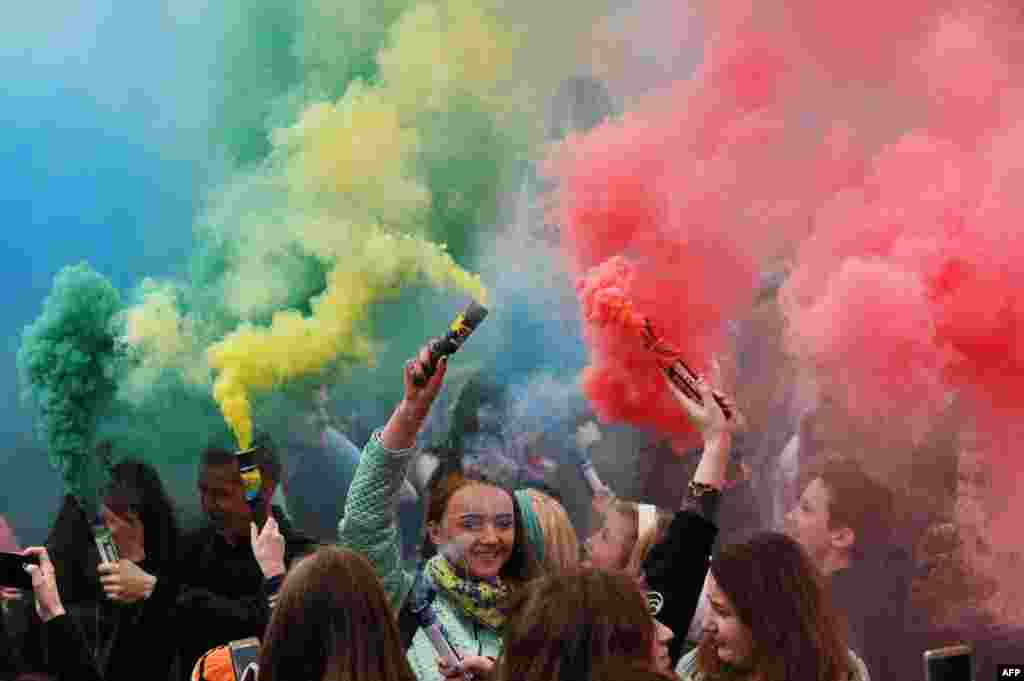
(534, 533)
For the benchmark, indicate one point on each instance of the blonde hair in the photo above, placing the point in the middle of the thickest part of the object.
(561, 545)
(646, 537)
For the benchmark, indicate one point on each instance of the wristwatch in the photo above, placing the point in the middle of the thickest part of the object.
(700, 489)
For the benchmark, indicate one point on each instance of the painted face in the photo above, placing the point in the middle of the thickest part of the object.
(659, 648)
(478, 530)
(730, 637)
(609, 547)
(223, 499)
(808, 522)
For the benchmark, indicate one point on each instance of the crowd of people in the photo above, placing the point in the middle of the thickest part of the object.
(511, 588)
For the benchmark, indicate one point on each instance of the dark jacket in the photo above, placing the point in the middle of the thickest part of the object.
(75, 661)
(12, 640)
(120, 641)
(675, 569)
(873, 594)
(220, 589)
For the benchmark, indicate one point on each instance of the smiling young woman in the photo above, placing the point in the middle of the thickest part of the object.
(770, 619)
(473, 524)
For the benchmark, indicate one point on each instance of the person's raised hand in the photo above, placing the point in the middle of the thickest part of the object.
(420, 392)
(268, 547)
(44, 584)
(477, 665)
(706, 416)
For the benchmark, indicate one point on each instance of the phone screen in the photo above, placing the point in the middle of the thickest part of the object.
(245, 656)
(12, 571)
(953, 668)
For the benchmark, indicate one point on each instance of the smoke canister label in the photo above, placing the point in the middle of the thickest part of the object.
(251, 481)
(105, 543)
(460, 330)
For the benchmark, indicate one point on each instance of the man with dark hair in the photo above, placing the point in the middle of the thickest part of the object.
(222, 596)
(844, 520)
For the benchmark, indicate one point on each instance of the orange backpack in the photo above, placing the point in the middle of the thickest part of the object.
(236, 661)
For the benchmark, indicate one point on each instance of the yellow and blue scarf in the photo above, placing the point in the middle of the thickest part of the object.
(477, 598)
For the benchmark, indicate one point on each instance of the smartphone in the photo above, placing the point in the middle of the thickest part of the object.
(12, 570)
(245, 657)
(953, 663)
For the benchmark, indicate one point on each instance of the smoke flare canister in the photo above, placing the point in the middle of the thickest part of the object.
(252, 483)
(422, 605)
(105, 542)
(461, 328)
(586, 465)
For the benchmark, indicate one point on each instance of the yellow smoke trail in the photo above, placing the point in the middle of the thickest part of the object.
(258, 359)
(352, 164)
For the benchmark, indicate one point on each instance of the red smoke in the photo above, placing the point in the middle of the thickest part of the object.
(624, 382)
(875, 145)
(657, 191)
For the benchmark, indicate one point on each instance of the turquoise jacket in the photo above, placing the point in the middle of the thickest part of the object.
(369, 526)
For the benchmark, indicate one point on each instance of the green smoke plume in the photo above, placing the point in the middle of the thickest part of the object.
(66, 362)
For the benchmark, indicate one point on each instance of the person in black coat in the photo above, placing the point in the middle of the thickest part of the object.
(670, 553)
(110, 610)
(221, 587)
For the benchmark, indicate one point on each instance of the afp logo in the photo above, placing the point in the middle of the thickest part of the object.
(1010, 671)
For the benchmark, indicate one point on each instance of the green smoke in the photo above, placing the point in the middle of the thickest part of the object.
(66, 362)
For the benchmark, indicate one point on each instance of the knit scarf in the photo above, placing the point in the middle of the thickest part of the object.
(479, 599)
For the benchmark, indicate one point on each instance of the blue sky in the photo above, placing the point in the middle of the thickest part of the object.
(102, 156)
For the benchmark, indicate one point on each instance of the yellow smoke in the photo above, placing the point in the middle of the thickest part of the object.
(439, 51)
(361, 149)
(258, 359)
(159, 338)
(350, 166)
(358, 150)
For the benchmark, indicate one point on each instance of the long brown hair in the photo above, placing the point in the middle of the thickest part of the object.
(777, 592)
(332, 622)
(522, 565)
(564, 627)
